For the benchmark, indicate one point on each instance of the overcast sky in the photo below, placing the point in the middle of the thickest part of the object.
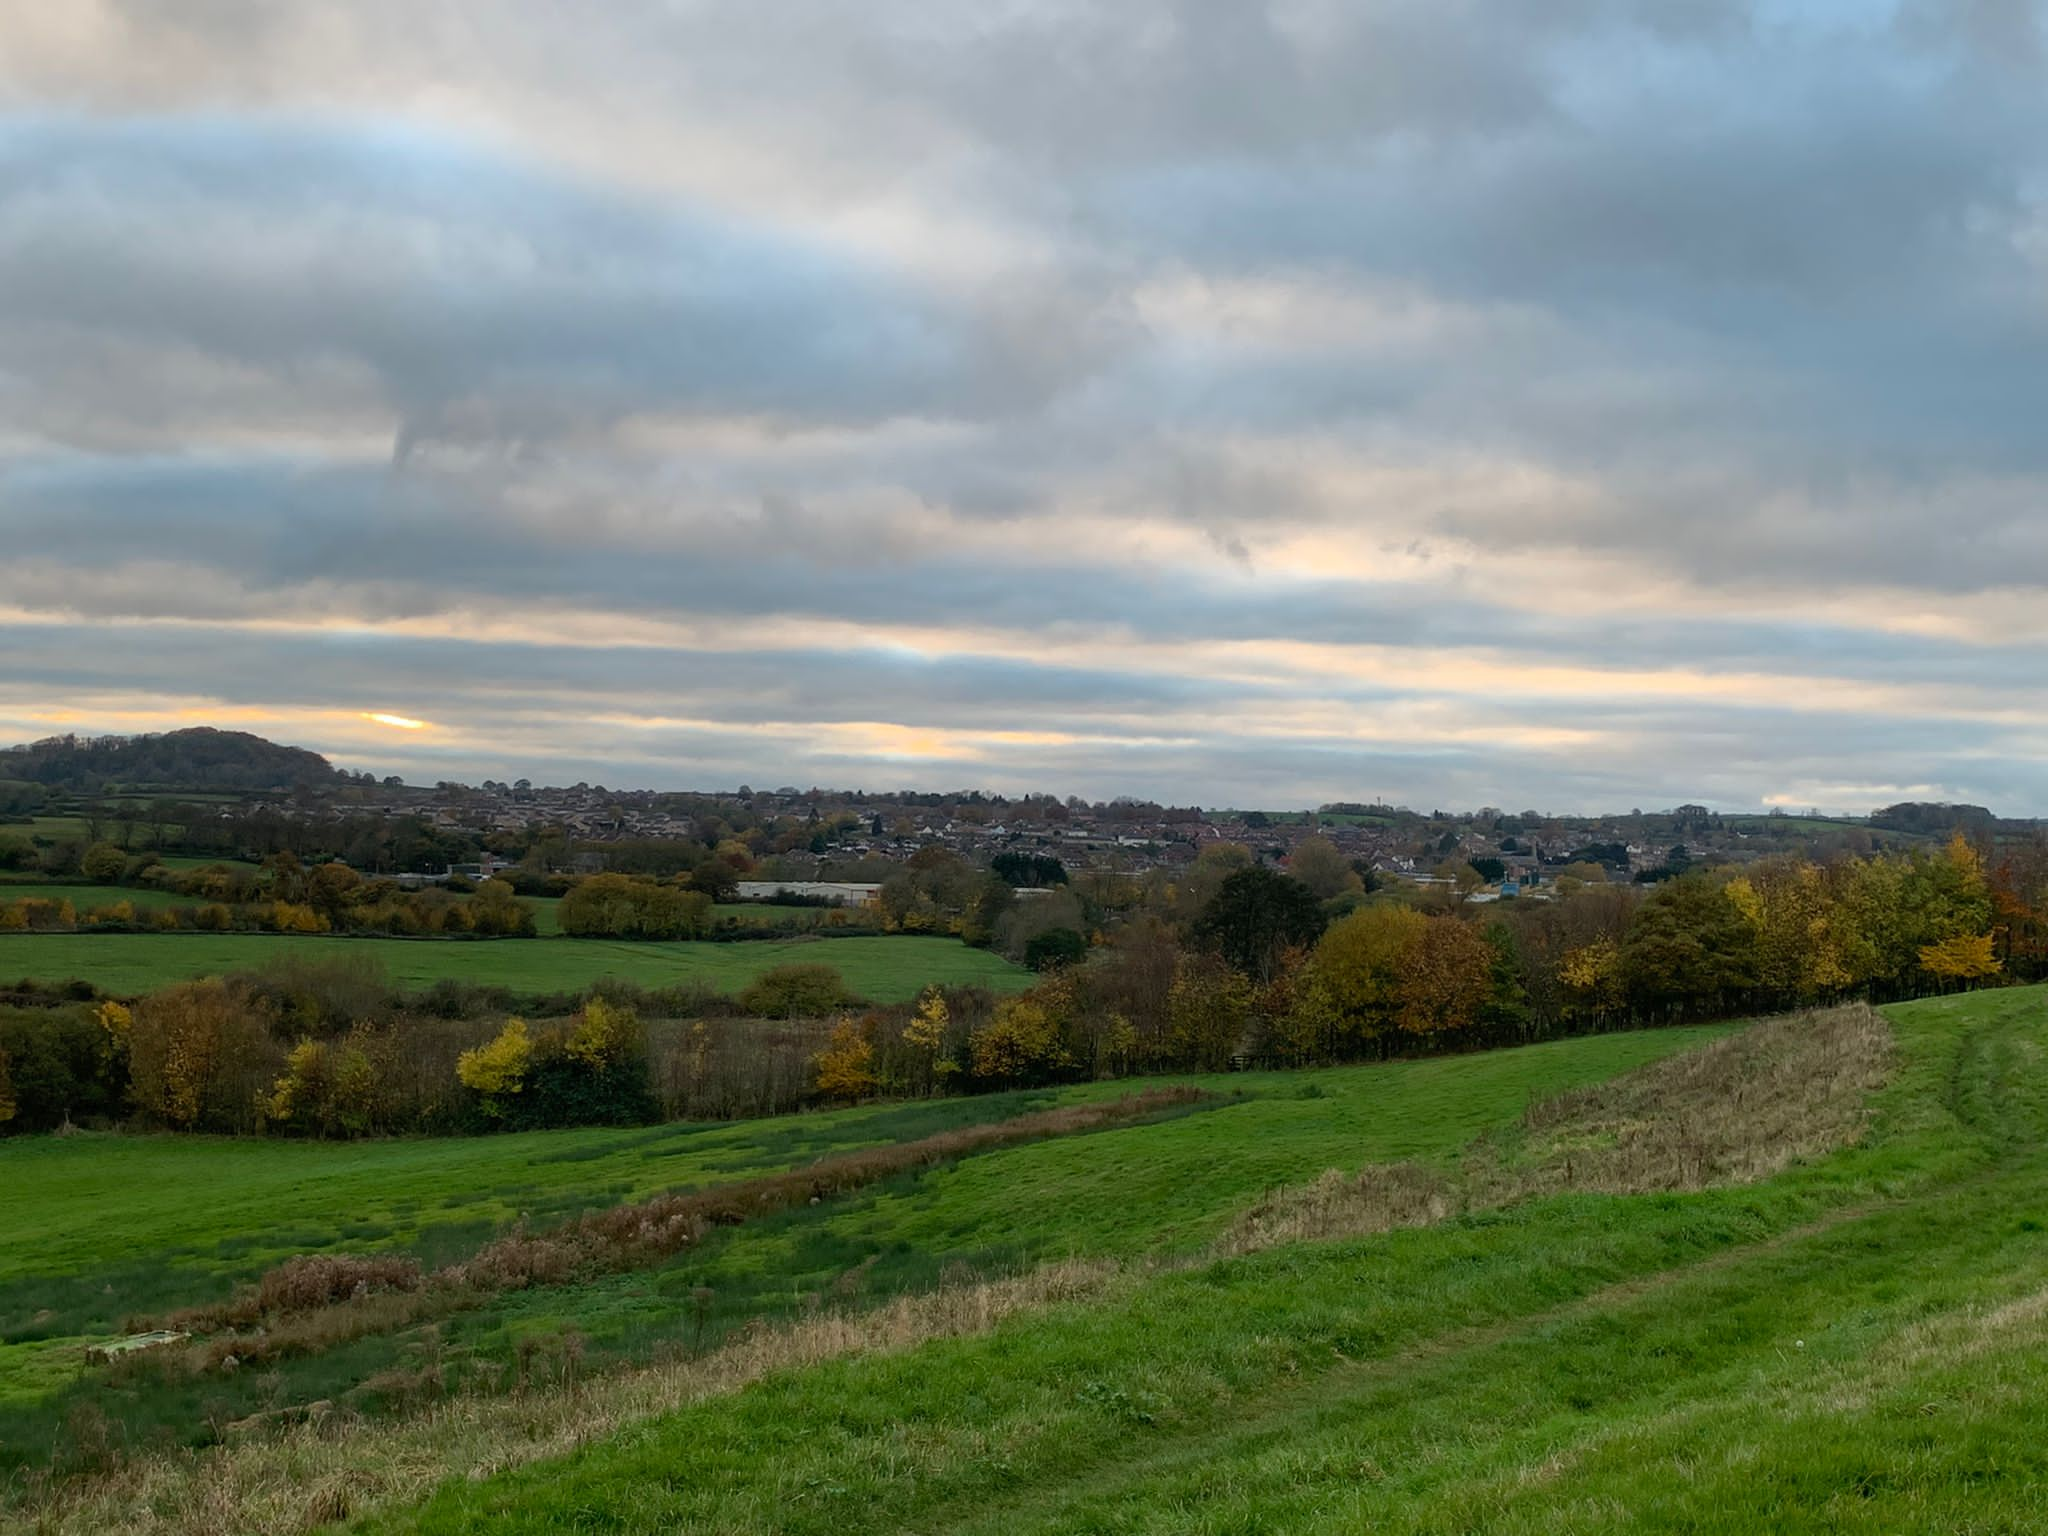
(1566, 404)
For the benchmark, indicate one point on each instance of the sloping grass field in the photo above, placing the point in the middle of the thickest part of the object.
(883, 969)
(1057, 1336)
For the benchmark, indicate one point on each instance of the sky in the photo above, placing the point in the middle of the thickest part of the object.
(1554, 404)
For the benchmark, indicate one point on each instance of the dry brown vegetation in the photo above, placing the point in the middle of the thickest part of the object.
(1734, 1111)
(312, 1468)
(312, 1303)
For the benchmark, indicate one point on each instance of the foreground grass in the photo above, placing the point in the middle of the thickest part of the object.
(883, 969)
(108, 1227)
(1859, 1344)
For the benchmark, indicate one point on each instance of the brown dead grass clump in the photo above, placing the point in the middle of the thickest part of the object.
(304, 1284)
(1732, 1112)
(1377, 1199)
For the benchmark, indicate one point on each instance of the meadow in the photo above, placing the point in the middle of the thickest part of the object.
(881, 969)
(1066, 1335)
(86, 898)
(547, 921)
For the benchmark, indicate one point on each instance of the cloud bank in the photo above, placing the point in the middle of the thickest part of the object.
(1567, 405)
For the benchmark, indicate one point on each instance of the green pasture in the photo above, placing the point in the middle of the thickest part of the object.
(1858, 1345)
(86, 898)
(880, 968)
(112, 1226)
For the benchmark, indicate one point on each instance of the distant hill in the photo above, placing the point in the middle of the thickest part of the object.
(199, 758)
(1934, 819)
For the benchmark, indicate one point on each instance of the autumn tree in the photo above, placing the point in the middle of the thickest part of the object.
(497, 1071)
(1349, 991)
(925, 1034)
(845, 1068)
(198, 1057)
(1020, 1043)
(1443, 978)
(1208, 1011)
(1317, 864)
(1960, 959)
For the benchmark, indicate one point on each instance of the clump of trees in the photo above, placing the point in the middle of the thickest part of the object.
(620, 907)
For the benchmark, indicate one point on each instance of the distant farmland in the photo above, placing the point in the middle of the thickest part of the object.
(881, 969)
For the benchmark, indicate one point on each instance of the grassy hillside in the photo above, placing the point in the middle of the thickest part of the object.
(111, 1227)
(1078, 1334)
(882, 969)
(1858, 1345)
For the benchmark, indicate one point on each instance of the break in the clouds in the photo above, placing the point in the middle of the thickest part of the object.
(1581, 404)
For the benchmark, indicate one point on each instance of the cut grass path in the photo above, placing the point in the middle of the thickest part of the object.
(887, 969)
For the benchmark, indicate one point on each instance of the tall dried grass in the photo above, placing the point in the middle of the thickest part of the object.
(286, 1476)
(1731, 1112)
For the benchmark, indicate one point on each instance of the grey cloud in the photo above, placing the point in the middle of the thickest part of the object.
(1750, 296)
(466, 295)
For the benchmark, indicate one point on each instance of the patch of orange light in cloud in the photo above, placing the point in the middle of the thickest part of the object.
(397, 722)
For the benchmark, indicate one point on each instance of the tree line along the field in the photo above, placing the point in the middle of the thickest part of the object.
(1262, 972)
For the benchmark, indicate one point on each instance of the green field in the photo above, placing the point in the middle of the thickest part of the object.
(1858, 1343)
(547, 920)
(111, 1226)
(881, 969)
(87, 897)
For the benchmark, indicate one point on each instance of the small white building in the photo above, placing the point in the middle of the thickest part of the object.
(840, 893)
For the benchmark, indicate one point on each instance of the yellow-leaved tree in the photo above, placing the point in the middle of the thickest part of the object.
(845, 1068)
(497, 1070)
(1020, 1043)
(925, 1034)
(605, 1035)
(1591, 977)
(1961, 958)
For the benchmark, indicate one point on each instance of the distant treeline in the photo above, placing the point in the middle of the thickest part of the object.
(283, 896)
(1262, 973)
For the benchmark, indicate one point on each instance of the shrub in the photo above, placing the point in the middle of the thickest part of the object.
(1054, 948)
(199, 1057)
(103, 864)
(796, 991)
(319, 1280)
